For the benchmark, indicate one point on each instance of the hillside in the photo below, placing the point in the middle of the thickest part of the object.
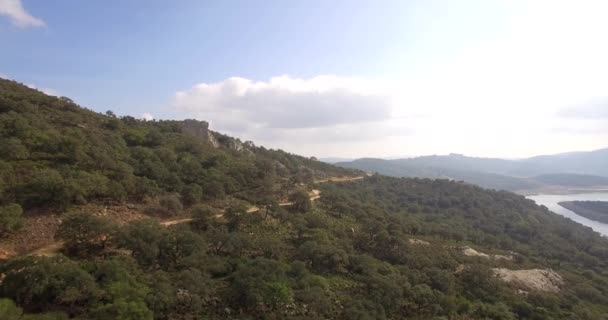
(572, 180)
(154, 220)
(420, 168)
(78, 156)
(589, 163)
(594, 210)
(512, 175)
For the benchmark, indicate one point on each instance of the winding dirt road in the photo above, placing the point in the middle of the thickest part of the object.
(55, 247)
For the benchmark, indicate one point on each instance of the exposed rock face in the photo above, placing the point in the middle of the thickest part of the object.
(418, 241)
(199, 129)
(235, 145)
(470, 252)
(213, 140)
(196, 128)
(535, 279)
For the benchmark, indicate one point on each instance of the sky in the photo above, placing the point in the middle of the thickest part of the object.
(512, 78)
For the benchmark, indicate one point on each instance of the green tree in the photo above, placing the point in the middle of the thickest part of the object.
(122, 309)
(10, 218)
(301, 201)
(171, 204)
(261, 282)
(177, 246)
(9, 311)
(84, 234)
(46, 188)
(48, 284)
(14, 149)
(202, 217)
(234, 215)
(142, 237)
(45, 316)
(192, 194)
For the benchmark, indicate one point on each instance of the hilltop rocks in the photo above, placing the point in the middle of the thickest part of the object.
(535, 279)
(196, 128)
(213, 140)
(200, 129)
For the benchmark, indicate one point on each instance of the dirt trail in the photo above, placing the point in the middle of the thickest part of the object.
(48, 251)
(339, 179)
(174, 222)
(54, 248)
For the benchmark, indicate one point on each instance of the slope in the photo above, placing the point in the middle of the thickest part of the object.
(55, 154)
(369, 248)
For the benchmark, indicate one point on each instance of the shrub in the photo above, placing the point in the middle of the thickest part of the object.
(10, 218)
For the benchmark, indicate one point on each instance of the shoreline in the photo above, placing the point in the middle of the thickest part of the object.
(589, 213)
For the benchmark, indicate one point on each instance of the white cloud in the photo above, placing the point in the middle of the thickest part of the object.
(147, 116)
(285, 102)
(14, 10)
(285, 110)
(331, 115)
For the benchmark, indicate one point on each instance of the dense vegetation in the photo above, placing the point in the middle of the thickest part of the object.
(349, 255)
(55, 154)
(594, 210)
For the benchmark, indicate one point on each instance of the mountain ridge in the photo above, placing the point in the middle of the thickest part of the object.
(513, 175)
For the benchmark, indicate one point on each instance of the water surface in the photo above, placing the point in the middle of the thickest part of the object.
(551, 201)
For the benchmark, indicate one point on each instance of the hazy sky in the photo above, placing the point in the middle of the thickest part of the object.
(331, 78)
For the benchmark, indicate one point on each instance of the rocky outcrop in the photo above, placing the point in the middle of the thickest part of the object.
(199, 129)
(418, 242)
(470, 252)
(235, 145)
(213, 140)
(535, 279)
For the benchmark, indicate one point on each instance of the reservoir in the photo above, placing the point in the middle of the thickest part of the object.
(551, 201)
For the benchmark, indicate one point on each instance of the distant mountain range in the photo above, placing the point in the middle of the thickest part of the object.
(561, 171)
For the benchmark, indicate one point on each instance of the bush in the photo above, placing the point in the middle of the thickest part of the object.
(301, 201)
(171, 204)
(9, 311)
(10, 218)
(84, 234)
(202, 216)
(46, 188)
(192, 194)
(261, 282)
(142, 237)
(168, 206)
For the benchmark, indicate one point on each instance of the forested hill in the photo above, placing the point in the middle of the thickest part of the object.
(362, 248)
(55, 154)
(557, 172)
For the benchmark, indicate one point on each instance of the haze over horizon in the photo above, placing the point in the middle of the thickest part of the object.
(506, 79)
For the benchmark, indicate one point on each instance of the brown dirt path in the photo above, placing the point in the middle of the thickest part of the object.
(54, 247)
